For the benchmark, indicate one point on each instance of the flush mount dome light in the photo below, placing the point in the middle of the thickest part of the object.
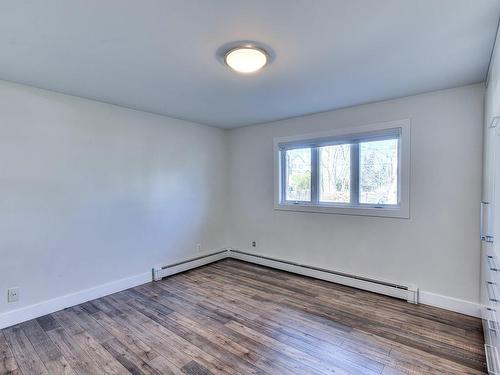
(246, 59)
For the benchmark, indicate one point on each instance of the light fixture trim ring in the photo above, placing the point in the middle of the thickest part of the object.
(226, 49)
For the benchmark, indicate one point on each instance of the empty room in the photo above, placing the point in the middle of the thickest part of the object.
(263, 187)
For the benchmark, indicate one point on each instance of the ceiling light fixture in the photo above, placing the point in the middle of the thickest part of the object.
(246, 59)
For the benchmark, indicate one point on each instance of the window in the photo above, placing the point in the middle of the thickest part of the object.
(363, 171)
(298, 175)
(378, 172)
(334, 173)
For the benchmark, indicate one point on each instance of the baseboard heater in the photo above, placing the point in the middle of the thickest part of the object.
(405, 292)
(164, 271)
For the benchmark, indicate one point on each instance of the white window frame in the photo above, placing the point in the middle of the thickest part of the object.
(400, 210)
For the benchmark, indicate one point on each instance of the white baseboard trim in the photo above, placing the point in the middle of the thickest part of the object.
(450, 303)
(23, 314)
(426, 298)
(389, 289)
(37, 310)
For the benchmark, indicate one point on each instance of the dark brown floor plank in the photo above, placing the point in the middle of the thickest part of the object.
(48, 352)
(233, 317)
(78, 358)
(194, 368)
(90, 337)
(303, 341)
(8, 364)
(27, 358)
(128, 359)
(174, 347)
(364, 320)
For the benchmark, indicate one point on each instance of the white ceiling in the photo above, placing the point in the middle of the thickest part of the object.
(160, 55)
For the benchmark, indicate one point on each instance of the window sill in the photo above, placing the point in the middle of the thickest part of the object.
(396, 212)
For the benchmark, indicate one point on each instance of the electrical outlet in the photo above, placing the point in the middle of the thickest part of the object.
(198, 247)
(12, 295)
(254, 244)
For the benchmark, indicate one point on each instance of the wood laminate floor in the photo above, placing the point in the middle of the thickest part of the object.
(234, 317)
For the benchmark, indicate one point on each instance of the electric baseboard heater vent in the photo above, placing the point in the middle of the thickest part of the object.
(405, 292)
(164, 271)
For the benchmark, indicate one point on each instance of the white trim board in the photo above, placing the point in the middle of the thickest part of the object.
(450, 303)
(36, 310)
(389, 289)
(22, 314)
(425, 298)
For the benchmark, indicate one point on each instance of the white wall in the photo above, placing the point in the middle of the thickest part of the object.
(92, 193)
(437, 248)
(491, 169)
(491, 110)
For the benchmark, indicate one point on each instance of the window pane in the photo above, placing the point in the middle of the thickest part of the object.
(335, 173)
(378, 172)
(298, 175)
